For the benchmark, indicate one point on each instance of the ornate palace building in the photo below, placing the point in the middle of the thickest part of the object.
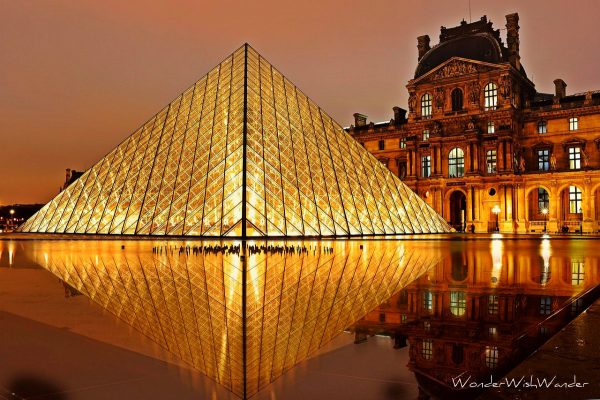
(483, 147)
(481, 312)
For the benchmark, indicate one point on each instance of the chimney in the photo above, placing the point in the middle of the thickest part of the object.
(360, 119)
(423, 45)
(512, 40)
(560, 88)
(399, 115)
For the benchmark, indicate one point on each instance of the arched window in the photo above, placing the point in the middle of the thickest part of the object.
(457, 99)
(490, 96)
(456, 163)
(426, 105)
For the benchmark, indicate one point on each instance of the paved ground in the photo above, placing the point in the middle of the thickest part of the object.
(572, 355)
(57, 348)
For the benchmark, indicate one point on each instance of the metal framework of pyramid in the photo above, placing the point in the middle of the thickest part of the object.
(241, 320)
(241, 153)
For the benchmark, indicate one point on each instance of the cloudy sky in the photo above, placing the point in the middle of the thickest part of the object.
(78, 76)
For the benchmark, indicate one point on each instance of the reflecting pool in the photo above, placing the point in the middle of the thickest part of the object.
(245, 313)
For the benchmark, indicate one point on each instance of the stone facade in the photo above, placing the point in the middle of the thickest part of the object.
(479, 138)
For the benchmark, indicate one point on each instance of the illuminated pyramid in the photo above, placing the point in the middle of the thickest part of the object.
(241, 153)
(243, 330)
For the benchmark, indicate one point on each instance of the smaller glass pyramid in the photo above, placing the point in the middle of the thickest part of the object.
(241, 153)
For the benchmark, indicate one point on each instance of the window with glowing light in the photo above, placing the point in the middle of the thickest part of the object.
(426, 105)
(575, 157)
(458, 303)
(577, 272)
(427, 349)
(573, 124)
(492, 304)
(456, 163)
(490, 161)
(490, 96)
(574, 200)
(425, 166)
(543, 160)
(542, 127)
(543, 199)
(428, 301)
(491, 356)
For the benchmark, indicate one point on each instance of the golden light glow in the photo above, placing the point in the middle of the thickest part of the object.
(193, 305)
(243, 130)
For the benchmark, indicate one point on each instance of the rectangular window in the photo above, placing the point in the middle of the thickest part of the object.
(428, 301)
(543, 160)
(425, 166)
(381, 145)
(492, 331)
(427, 349)
(573, 124)
(545, 305)
(492, 304)
(542, 127)
(458, 303)
(543, 199)
(577, 272)
(490, 161)
(490, 127)
(425, 135)
(403, 143)
(381, 317)
(491, 356)
(574, 200)
(575, 157)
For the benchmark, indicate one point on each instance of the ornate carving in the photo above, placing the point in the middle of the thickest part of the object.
(412, 101)
(439, 97)
(505, 86)
(455, 68)
(474, 90)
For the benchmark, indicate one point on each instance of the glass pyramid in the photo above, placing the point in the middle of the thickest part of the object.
(242, 319)
(241, 153)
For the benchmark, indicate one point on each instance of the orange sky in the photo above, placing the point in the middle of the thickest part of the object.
(77, 77)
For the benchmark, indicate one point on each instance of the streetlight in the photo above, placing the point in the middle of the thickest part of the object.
(545, 212)
(496, 210)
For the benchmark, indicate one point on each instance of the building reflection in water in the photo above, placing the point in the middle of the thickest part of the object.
(243, 331)
(484, 308)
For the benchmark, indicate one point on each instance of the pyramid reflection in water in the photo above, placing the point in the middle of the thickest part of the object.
(193, 304)
(241, 153)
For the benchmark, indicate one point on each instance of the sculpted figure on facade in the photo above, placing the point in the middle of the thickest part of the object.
(474, 90)
(412, 102)
(454, 69)
(505, 86)
(439, 98)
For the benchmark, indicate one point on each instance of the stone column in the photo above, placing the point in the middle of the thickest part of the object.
(439, 159)
(409, 166)
(588, 217)
(521, 207)
(552, 225)
(509, 156)
(500, 156)
(469, 162)
(506, 225)
(469, 210)
(475, 157)
(434, 156)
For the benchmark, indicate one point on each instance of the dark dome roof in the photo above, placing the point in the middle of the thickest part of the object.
(480, 47)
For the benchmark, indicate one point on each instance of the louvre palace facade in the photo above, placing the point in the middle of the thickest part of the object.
(483, 147)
